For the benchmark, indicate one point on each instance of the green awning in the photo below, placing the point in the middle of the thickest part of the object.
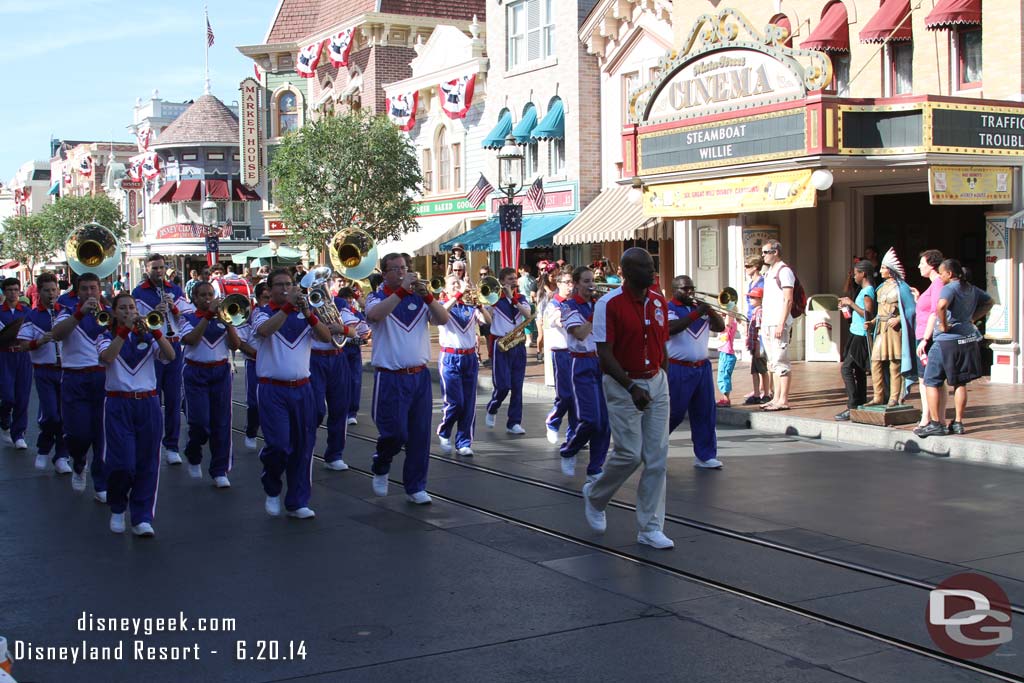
(283, 255)
(524, 130)
(496, 138)
(552, 126)
(538, 231)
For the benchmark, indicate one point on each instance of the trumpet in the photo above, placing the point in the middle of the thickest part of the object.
(235, 309)
(152, 321)
(321, 301)
(103, 318)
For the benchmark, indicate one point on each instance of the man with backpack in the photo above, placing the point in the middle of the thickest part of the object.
(784, 300)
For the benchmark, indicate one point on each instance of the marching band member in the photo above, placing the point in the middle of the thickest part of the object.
(37, 339)
(131, 415)
(15, 369)
(402, 389)
(555, 340)
(82, 381)
(690, 384)
(287, 409)
(250, 342)
(459, 367)
(588, 397)
(508, 367)
(332, 386)
(353, 355)
(206, 341)
(156, 293)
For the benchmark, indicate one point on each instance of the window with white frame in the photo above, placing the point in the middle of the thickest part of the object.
(287, 112)
(532, 162)
(967, 48)
(238, 212)
(444, 160)
(531, 31)
(556, 157)
(457, 166)
(899, 68)
(427, 167)
(841, 73)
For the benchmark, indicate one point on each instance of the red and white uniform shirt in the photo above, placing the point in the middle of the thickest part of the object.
(247, 335)
(577, 311)
(554, 336)
(636, 329)
(506, 315)
(460, 330)
(212, 346)
(79, 349)
(692, 343)
(38, 322)
(401, 340)
(283, 355)
(134, 369)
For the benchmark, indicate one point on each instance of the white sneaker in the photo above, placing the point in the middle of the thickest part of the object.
(63, 466)
(655, 539)
(273, 506)
(338, 465)
(420, 498)
(466, 451)
(489, 420)
(100, 497)
(595, 518)
(42, 460)
(172, 458)
(302, 513)
(250, 443)
(516, 429)
(712, 464)
(195, 471)
(78, 481)
(117, 522)
(144, 529)
(446, 444)
(21, 445)
(591, 478)
(569, 465)
(352, 421)
(380, 484)
(552, 436)
(222, 482)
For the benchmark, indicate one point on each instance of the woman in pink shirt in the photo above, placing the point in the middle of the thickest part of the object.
(926, 302)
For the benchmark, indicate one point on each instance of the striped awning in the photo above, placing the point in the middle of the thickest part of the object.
(891, 22)
(611, 217)
(832, 34)
(952, 13)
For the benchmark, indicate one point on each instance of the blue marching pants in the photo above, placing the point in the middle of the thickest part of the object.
(458, 386)
(133, 465)
(592, 413)
(509, 373)
(15, 389)
(331, 388)
(692, 390)
(51, 429)
(287, 417)
(208, 411)
(169, 384)
(81, 409)
(252, 408)
(354, 356)
(402, 406)
(562, 362)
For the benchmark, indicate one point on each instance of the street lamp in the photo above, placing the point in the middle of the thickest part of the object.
(209, 212)
(510, 168)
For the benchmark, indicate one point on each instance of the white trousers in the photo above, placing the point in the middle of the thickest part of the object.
(639, 437)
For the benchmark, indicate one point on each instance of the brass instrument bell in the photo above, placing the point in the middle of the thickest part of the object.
(353, 253)
(92, 248)
(103, 318)
(235, 309)
(489, 290)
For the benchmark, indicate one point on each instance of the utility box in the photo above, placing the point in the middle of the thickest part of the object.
(821, 328)
(1004, 362)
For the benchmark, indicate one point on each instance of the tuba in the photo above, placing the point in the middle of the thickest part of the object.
(320, 299)
(92, 248)
(353, 253)
(235, 309)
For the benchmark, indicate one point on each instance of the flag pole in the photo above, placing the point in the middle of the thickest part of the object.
(206, 41)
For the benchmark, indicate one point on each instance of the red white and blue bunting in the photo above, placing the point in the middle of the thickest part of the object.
(145, 165)
(143, 136)
(309, 59)
(402, 109)
(339, 46)
(85, 167)
(457, 96)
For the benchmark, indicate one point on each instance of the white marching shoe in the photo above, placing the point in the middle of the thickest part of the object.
(172, 457)
(222, 482)
(380, 485)
(78, 481)
(338, 465)
(100, 497)
(273, 506)
(117, 522)
(352, 421)
(63, 466)
(302, 513)
(552, 436)
(489, 420)
(195, 471)
(466, 451)
(446, 444)
(250, 443)
(516, 429)
(569, 465)
(41, 461)
(20, 444)
(655, 539)
(420, 498)
(710, 464)
(144, 529)
(595, 518)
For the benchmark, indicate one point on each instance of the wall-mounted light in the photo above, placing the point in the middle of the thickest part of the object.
(822, 179)
(636, 191)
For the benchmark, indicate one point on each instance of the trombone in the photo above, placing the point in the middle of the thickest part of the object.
(234, 309)
(727, 300)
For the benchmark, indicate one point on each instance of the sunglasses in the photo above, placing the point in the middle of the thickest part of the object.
(768, 251)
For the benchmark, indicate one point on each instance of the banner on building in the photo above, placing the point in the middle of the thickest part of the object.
(144, 166)
(308, 59)
(402, 109)
(212, 250)
(1001, 321)
(85, 167)
(339, 46)
(970, 185)
(133, 208)
(457, 96)
(730, 196)
(249, 131)
(143, 136)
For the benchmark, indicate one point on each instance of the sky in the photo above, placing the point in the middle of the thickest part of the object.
(74, 68)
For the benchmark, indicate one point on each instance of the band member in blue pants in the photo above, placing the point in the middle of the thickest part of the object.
(508, 367)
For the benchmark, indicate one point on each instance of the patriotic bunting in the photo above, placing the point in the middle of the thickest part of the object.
(457, 96)
(510, 223)
(143, 136)
(212, 250)
(309, 59)
(339, 46)
(402, 109)
(256, 70)
(21, 196)
(85, 167)
(133, 170)
(145, 165)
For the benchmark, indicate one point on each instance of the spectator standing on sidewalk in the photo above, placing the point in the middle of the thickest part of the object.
(779, 284)
(926, 303)
(726, 360)
(856, 356)
(761, 392)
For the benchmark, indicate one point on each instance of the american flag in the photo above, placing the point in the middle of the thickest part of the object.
(209, 32)
(536, 194)
(480, 191)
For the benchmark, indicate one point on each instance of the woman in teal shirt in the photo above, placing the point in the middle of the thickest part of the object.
(856, 357)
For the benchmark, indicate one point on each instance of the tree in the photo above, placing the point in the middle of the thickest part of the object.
(27, 239)
(353, 170)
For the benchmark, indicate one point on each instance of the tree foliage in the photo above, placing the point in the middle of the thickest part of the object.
(353, 170)
(27, 239)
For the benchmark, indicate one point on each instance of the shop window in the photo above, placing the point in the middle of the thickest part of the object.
(427, 166)
(630, 82)
(531, 31)
(215, 156)
(189, 157)
(532, 163)
(783, 21)
(457, 166)
(841, 74)
(444, 160)
(287, 113)
(900, 69)
(556, 157)
(238, 213)
(968, 57)
(222, 212)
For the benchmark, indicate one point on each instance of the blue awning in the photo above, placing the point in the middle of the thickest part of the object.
(524, 129)
(55, 188)
(496, 138)
(552, 126)
(538, 231)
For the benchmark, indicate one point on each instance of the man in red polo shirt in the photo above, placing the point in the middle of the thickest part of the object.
(631, 328)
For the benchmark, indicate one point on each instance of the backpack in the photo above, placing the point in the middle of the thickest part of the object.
(799, 305)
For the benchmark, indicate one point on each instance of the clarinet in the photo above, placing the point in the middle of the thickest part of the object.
(56, 344)
(167, 322)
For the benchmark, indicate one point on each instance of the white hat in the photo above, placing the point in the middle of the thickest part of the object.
(892, 262)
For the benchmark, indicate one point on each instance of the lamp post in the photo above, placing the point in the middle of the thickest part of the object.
(510, 214)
